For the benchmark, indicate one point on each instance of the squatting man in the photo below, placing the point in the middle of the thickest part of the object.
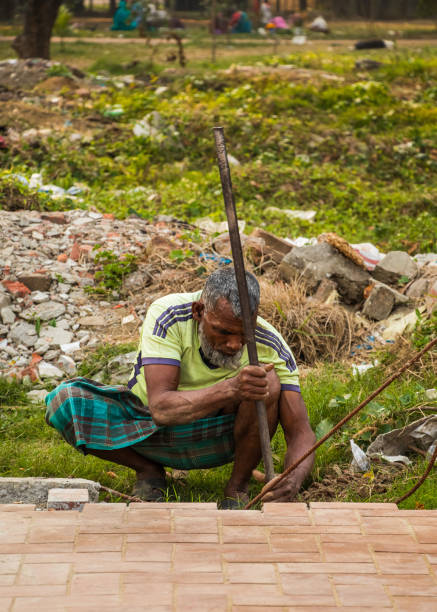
(190, 401)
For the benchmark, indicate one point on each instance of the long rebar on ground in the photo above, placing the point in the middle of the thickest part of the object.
(271, 485)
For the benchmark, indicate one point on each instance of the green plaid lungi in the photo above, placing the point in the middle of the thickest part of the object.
(91, 415)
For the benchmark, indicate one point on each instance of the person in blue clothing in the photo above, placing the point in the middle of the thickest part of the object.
(121, 18)
(240, 23)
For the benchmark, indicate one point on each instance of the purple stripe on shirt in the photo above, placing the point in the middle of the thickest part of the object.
(180, 317)
(152, 360)
(290, 388)
(269, 339)
(165, 316)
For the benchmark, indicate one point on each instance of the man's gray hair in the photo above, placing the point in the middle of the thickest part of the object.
(222, 283)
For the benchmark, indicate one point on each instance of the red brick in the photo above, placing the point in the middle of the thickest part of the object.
(197, 557)
(104, 584)
(75, 252)
(44, 573)
(252, 572)
(150, 552)
(362, 596)
(62, 257)
(16, 288)
(89, 542)
(408, 563)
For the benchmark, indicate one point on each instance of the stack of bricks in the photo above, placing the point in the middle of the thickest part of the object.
(179, 557)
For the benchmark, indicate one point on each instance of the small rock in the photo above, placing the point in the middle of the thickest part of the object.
(431, 394)
(48, 370)
(41, 346)
(394, 266)
(55, 217)
(38, 297)
(5, 300)
(35, 282)
(55, 336)
(45, 311)
(7, 315)
(37, 395)
(64, 288)
(418, 288)
(379, 304)
(23, 333)
(67, 364)
(91, 321)
(71, 347)
(129, 319)
(52, 354)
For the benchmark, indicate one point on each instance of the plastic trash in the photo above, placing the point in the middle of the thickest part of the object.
(369, 252)
(113, 111)
(304, 215)
(361, 368)
(360, 459)
(223, 261)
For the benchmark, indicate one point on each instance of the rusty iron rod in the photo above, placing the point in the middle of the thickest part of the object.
(420, 482)
(240, 273)
(310, 451)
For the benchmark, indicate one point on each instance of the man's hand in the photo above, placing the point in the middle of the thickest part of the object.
(285, 491)
(252, 382)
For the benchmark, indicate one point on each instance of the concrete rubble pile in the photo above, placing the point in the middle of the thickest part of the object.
(46, 262)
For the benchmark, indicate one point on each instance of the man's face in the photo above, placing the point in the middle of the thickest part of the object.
(221, 334)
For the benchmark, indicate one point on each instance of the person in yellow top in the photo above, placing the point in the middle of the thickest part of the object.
(191, 398)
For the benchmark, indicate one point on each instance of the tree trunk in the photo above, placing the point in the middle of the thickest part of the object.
(7, 10)
(112, 6)
(39, 18)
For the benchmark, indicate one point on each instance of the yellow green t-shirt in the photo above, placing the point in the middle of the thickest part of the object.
(169, 335)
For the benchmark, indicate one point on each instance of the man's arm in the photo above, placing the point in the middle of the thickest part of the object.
(299, 437)
(169, 406)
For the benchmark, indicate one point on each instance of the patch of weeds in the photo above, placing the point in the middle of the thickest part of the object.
(98, 360)
(59, 70)
(425, 329)
(113, 269)
(12, 393)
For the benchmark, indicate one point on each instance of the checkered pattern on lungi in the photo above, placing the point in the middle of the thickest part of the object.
(91, 415)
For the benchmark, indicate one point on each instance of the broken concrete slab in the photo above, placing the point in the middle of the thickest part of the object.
(394, 266)
(418, 288)
(321, 261)
(272, 246)
(35, 490)
(381, 302)
(67, 499)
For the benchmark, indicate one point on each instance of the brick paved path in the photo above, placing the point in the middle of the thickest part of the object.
(193, 557)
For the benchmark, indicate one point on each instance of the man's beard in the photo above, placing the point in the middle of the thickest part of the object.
(217, 358)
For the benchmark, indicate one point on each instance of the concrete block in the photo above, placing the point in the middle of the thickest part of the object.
(67, 499)
(35, 490)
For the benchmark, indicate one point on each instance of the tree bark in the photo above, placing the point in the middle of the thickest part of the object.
(112, 6)
(39, 18)
(7, 10)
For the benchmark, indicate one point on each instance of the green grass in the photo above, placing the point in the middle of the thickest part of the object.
(31, 448)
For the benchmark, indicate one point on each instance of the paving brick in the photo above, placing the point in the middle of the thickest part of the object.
(33, 590)
(176, 577)
(21, 508)
(386, 508)
(243, 556)
(53, 533)
(270, 595)
(252, 572)
(426, 534)
(258, 609)
(89, 602)
(304, 584)
(44, 573)
(250, 534)
(67, 499)
(362, 596)
(415, 604)
(72, 557)
(89, 567)
(7, 579)
(154, 594)
(151, 552)
(197, 525)
(5, 603)
(384, 525)
(89, 542)
(324, 516)
(211, 538)
(197, 558)
(201, 598)
(294, 543)
(9, 564)
(326, 568)
(286, 509)
(104, 584)
(348, 552)
(40, 547)
(408, 563)
(104, 510)
(140, 526)
(318, 529)
(393, 543)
